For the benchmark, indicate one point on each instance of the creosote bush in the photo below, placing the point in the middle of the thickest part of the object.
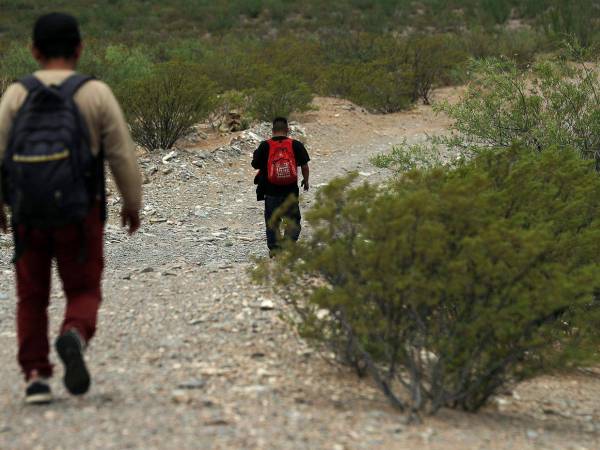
(447, 285)
(280, 96)
(163, 106)
(553, 103)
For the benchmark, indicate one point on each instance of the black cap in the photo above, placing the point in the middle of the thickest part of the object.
(56, 35)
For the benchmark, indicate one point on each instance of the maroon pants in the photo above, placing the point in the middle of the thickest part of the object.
(78, 252)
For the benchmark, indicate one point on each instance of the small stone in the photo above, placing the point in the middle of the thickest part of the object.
(169, 157)
(267, 305)
(531, 434)
(192, 384)
(147, 270)
(322, 314)
(180, 396)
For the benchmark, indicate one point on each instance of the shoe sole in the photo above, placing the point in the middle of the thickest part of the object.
(38, 399)
(77, 377)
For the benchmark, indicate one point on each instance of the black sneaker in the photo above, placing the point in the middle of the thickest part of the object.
(38, 393)
(70, 349)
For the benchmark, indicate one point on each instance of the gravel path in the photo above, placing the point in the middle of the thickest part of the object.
(189, 354)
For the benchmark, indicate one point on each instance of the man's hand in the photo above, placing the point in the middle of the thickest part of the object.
(131, 220)
(305, 175)
(3, 220)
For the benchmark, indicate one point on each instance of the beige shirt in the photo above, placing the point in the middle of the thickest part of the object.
(105, 122)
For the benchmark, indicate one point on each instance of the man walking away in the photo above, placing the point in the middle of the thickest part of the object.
(278, 160)
(56, 128)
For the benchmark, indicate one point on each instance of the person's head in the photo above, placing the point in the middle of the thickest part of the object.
(280, 127)
(57, 41)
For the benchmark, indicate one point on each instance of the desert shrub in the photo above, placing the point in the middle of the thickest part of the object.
(164, 105)
(122, 66)
(433, 61)
(447, 285)
(239, 70)
(227, 103)
(498, 10)
(406, 157)
(370, 85)
(16, 62)
(566, 18)
(553, 103)
(280, 96)
(301, 58)
(521, 45)
(4, 83)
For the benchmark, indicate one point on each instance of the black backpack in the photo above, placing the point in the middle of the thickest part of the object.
(51, 178)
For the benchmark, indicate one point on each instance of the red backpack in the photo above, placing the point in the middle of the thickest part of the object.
(281, 167)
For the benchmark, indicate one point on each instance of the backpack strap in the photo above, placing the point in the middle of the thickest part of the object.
(71, 85)
(31, 83)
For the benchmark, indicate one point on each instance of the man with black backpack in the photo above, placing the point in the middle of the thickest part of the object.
(278, 160)
(56, 129)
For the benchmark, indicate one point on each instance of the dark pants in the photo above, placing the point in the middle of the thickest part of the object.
(278, 210)
(81, 278)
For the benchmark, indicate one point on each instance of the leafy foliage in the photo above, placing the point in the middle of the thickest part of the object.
(280, 96)
(450, 284)
(163, 106)
(406, 157)
(553, 103)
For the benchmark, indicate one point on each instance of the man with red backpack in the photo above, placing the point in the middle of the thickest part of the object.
(278, 160)
(56, 129)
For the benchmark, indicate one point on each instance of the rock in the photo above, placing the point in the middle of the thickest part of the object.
(267, 305)
(531, 434)
(197, 321)
(180, 397)
(167, 171)
(200, 212)
(147, 270)
(322, 314)
(192, 384)
(169, 157)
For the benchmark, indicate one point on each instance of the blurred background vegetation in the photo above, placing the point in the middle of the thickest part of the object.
(382, 54)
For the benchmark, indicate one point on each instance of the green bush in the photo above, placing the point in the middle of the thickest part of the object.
(122, 66)
(371, 85)
(226, 104)
(450, 284)
(551, 104)
(566, 18)
(4, 83)
(163, 106)
(16, 62)
(432, 60)
(280, 96)
(406, 157)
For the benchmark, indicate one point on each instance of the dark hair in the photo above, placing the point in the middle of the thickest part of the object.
(280, 124)
(56, 35)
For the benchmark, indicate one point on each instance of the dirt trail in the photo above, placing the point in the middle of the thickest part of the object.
(189, 354)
